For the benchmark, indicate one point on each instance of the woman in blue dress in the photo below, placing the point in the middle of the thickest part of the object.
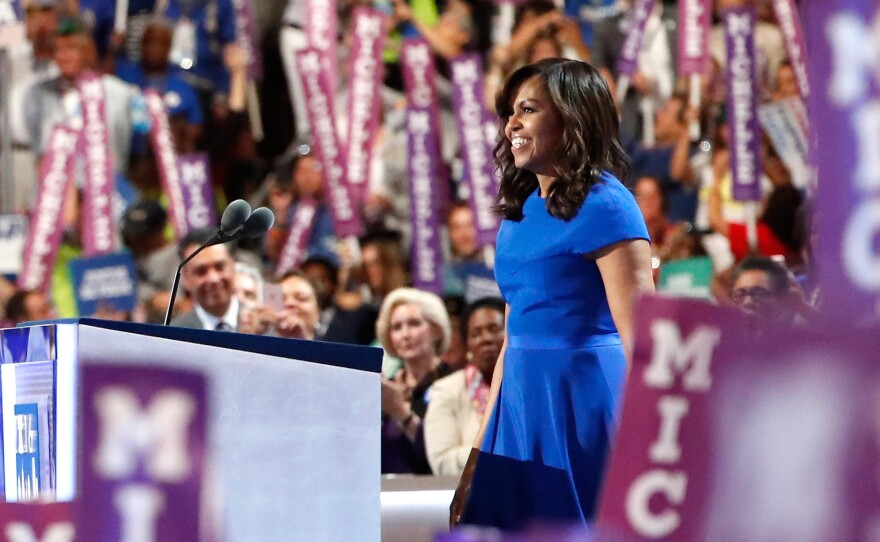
(572, 256)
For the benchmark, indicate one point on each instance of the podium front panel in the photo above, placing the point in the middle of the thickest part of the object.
(294, 445)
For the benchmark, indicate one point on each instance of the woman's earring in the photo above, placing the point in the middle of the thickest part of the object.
(469, 356)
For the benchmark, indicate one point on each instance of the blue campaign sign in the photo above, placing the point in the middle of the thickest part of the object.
(104, 282)
(13, 231)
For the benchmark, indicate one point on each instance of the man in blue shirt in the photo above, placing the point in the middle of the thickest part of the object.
(154, 72)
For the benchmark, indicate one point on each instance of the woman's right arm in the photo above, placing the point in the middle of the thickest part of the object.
(459, 500)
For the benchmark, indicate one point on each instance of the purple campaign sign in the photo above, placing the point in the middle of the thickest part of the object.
(319, 95)
(423, 148)
(99, 233)
(693, 36)
(733, 436)
(792, 31)
(246, 36)
(166, 160)
(845, 109)
(467, 87)
(659, 482)
(50, 522)
(296, 246)
(322, 27)
(629, 55)
(44, 234)
(198, 191)
(364, 100)
(143, 453)
(742, 103)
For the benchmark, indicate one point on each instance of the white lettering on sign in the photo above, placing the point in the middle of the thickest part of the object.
(671, 354)
(98, 163)
(422, 195)
(166, 156)
(57, 532)
(467, 77)
(418, 57)
(854, 58)
(672, 486)
(694, 45)
(364, 91)
(789, 24)
(156, 435)
(193, 179)
(321, 116)
(641, 11)
(692, 359)
(138, 506)
(740, 29)
(106, 283)
(666, 449)
(54, 182)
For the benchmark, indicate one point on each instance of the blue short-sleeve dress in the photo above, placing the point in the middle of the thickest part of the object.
(545, 448)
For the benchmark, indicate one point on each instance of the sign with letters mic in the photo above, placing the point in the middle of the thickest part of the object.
(144, 454)
(738, 432)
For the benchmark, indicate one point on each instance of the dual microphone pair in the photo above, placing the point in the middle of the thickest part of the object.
(237, 222)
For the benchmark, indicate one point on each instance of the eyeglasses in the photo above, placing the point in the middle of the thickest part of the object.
(758, 294)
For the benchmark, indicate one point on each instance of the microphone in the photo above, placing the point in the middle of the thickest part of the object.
(258, 223)
(237, 222)
(234, 217)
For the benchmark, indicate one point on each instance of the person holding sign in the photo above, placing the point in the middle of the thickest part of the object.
(572, 256)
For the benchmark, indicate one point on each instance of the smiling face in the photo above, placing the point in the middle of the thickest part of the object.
(411, 334)
(209, 278)
(534, 128)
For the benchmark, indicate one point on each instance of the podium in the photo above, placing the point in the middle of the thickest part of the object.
(291, 442)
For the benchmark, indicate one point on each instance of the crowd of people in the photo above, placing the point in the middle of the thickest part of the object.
(441, 347)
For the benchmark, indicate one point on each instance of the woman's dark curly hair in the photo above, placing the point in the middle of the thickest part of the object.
(589, 143)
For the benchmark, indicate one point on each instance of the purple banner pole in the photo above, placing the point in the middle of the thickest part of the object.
(144, 453)
(198, 191)
(742, 104)
(322, 27)
(423, 147)
(296, 246)
(364, 101)
(166, 161)
(318, 95)
(99, 235)
(44, 233)
(792, 31)
(246, 36)
(467, 94)
(845, 109)
(693, 36)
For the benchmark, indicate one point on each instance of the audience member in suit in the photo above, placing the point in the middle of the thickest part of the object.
(209, 280)
(338, 324)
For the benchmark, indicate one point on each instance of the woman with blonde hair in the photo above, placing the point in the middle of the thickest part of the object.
(413, 325)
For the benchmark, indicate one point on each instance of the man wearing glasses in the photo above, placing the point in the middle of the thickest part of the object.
(764, 290)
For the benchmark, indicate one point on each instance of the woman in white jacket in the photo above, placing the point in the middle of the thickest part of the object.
(456, 403)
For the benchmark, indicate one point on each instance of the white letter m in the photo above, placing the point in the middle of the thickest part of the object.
(672, 354)
(158, 434)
